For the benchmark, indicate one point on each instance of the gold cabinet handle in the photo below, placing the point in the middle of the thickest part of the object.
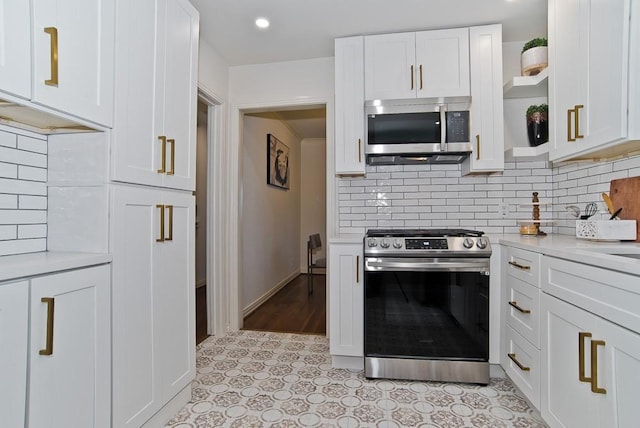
(420, 76)
(359, 150)
(577, 121)
(53, 34)
(170, 209)
(518, 265)
(161, 238)
(412, 77)
(513, 358)
(478, 143)
(50, 301)
(581, 336)
(518, 308)
(569, 137)
(172, 141)
(358, 269)
(163, 167)
(594, 367)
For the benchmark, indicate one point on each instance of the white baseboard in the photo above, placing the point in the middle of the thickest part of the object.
(253, 306)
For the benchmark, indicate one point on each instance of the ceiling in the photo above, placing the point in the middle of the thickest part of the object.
(303, 29)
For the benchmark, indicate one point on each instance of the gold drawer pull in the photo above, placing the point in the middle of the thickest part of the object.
(518, 265)
(163, 167)
(420, 76)
(412, 77)
(358, 269)
(569, 137)
(359, 150)
(478, 151)
(519, 309)
(50, 301)
(172, 141)
(513, 358)
(594, 367)
(577, 121)
(161, 208)
(53, 33)
(170, 208)
(581, 336)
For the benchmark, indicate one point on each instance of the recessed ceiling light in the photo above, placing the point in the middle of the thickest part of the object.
(262, 22)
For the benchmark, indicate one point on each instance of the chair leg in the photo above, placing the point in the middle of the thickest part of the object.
(309, 281)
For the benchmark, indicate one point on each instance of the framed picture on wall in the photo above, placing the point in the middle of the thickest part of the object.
(277, 163)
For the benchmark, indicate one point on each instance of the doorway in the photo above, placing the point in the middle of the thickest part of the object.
(201, 221)
(277, 221)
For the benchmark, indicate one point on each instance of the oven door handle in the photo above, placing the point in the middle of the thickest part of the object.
(428, 264)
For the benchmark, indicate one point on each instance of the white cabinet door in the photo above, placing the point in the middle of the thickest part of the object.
(442, 63)
(349, 106)
(14, 333)
(487, 130)
(609, 365)
(70, 352)
(153, 301)
(588, 79)
(390, 71)
(73, 57)
(15, 45)
(156, 90)
(346, 300)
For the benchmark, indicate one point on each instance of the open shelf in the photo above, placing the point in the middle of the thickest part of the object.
(533, 153)
(527, 86)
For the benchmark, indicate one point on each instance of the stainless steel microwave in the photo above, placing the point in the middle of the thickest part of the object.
(418, 131)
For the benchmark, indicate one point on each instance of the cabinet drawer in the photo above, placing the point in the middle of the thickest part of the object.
(524, 265)
(614, 296)
(523, 309)
(526, 377)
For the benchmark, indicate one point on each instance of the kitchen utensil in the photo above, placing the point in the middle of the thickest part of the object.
(589, 211)
(574, 211)
(607, 200)
(624, 193)
(615, 213)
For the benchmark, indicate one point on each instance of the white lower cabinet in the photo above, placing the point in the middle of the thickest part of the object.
(14, 336)
(153, 281)
(70, 349)
(591, 369)
(346, 300)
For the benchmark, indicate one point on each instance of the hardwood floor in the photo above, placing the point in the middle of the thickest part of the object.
(201, 314)
(291, 310)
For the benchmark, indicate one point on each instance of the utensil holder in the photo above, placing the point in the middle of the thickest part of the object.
(606, 230)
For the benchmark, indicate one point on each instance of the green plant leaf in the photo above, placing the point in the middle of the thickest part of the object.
(534, 43)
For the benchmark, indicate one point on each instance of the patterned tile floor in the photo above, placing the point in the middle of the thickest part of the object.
(262, 379)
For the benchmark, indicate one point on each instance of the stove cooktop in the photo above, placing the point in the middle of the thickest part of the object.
(432, 233)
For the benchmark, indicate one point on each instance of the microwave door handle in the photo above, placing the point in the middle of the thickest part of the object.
(443, 127)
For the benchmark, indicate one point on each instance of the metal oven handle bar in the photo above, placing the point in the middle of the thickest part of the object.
(425, 264)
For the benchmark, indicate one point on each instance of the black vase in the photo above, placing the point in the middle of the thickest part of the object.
(537, 129)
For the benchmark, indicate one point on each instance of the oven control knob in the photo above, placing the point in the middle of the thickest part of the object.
(372, 242)
(384, 243)
(467, 243)
(482, 243)
(397, 244)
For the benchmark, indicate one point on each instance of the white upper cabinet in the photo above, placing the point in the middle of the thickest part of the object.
(15, 45)
(154, 139)
(349, 106)
(417, 65)
(487, 129)
(588, 79)
(73, 42)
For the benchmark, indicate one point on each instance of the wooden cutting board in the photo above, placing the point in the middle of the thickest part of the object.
(625, 193)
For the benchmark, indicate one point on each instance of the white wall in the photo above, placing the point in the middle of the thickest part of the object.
(313, 198)
(213, 71)
(270, 215)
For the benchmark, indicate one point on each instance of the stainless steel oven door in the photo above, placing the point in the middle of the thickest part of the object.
(427, 318)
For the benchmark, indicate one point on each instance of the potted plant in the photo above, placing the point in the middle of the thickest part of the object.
(534, 56)
(537, 125)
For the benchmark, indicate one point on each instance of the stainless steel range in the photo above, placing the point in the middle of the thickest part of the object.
(427, 304)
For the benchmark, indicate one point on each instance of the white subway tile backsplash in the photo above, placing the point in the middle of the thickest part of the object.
(444, 198)
(23, 193)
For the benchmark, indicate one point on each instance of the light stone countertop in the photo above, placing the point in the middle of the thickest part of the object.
(596, 253)
(46, 262)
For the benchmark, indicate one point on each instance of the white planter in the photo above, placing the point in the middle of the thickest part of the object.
(534, 60)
